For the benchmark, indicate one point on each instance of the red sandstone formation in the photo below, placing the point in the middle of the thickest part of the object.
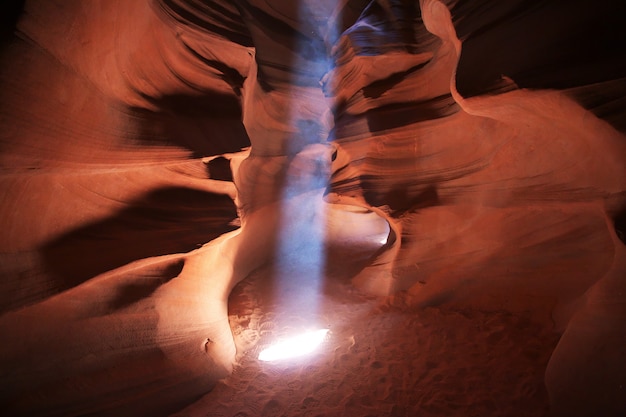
(162, 156)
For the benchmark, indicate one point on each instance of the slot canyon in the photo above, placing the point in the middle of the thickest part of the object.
(438, 185)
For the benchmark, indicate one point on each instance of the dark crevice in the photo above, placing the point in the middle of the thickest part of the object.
(165, 221)
(215, 17)
(550, 44)
(219, 169)
(620, 226)
(142, 287)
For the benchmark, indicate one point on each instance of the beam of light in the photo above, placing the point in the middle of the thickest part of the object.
(301, 244)
(293, 347)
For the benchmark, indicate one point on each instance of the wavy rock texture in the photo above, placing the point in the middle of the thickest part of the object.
(155, 154)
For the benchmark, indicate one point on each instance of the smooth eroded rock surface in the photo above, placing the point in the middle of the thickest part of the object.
(156, 153)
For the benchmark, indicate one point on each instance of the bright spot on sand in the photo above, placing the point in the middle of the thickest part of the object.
(294, 346)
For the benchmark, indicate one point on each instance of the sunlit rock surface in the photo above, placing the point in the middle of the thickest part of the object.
(154, 154)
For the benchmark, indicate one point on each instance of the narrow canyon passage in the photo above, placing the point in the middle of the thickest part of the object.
(439, 184)
(381, 356)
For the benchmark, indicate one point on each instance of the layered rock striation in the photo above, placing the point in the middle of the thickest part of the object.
(153, 154)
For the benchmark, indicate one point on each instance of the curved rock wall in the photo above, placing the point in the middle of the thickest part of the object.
(488, 136)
